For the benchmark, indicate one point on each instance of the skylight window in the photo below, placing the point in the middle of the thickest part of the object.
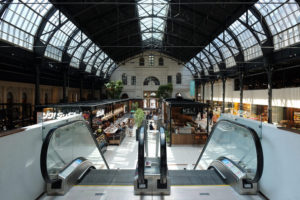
(152, 15)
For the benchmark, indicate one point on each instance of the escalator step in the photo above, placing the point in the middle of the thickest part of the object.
(109, 177)
(194, 177)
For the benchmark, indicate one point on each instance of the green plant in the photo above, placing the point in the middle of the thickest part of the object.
(134, 106)
(114, 89)
(165, 91)
(167, 136)
(139, 117)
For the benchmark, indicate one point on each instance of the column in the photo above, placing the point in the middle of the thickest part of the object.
(241, 78)
(270, 73)
(203, 92)
(224, 87)
(65, 86)
(81, 89)
(196, 90)
(212, 94)
(37, 85)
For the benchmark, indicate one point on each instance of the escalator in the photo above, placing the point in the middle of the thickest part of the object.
(231, 163)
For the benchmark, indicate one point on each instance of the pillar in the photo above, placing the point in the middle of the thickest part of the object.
(37, 85)
(212, 94)
(65, 86)
(81, 89)
(241, 78)
(224, 87)
(203, 92)
(270, 88)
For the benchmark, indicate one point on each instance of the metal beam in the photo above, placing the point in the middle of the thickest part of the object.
(265, 27)
(94, 69)
(82, 65)
(65, 56)
(38, 45)
(4, 7)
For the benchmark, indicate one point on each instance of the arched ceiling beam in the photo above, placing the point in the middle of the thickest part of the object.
(94, 69)
(65, 56)
(4, 7)
(38, 45)
(222, 65)
(82, 65)
(269, 43)
(240, 57)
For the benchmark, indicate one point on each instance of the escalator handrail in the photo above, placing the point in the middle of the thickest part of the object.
(259, 152)
(163, 156)
(44, 151)
(141, 156)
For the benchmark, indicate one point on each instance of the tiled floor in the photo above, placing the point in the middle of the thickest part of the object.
(125, 155)
(177, 193)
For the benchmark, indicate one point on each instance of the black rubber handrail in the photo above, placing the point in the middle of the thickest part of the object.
(163, 155)
(259, 152)
(141, 156)
(44, 151)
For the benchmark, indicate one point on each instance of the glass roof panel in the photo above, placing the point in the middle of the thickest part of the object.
(78, 38)
(20, 21)
(255, 24)
(229, 59)
(247, 40)
(79, 51)
(90, 57)
(210, 48)
(153, 15)
(59, 40)
(283, 20)
(229, 41)
(90, 52)
(57, 19)
(279, 16)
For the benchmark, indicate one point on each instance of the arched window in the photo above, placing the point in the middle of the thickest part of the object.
(124, 96)
(161, 61)
(178, 78)
(46, 98)
(9, 98)
(152, 79)
(24, 98)
(124, 79)
(142, 61)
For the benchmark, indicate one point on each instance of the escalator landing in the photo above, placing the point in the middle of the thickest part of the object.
(177, 192)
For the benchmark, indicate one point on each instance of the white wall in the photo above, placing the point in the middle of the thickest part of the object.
(20, 173)
(171, 67)
(281, 175)
(285, 97)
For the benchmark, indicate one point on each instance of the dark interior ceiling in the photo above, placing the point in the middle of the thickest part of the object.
(114, 25)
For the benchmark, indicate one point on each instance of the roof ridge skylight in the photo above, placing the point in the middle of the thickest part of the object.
(152, 14)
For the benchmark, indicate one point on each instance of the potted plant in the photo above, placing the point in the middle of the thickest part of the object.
(138, 118)
(114, 89)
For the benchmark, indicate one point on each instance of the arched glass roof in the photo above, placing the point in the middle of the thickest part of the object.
(24, 22)
(20, 22)
(282, 21)
(36, 25)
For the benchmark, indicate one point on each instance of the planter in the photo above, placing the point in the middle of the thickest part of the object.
(137, 131)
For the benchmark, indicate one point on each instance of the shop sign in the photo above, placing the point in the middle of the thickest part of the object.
(100, 112)
(57, 115)
(296, 116)
(189, 111)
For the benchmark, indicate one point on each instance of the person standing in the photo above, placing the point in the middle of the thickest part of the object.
(210, 116)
